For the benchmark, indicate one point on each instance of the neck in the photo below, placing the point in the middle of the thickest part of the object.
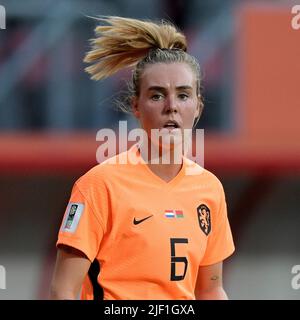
(165, 163)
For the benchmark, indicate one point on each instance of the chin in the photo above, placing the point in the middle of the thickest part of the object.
(172, 147)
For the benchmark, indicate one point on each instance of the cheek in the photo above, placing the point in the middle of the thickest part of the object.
(189, 111)
(149, 113)
(146, 120)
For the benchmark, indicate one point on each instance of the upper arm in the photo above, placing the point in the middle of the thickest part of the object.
(209, 280)
(70, 270)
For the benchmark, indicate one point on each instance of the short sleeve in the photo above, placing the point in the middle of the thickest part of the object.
(220, 242)
(82, 227)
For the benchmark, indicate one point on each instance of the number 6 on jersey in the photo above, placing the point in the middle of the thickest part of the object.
(175, 259)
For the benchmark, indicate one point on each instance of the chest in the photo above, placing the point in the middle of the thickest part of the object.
(158, 221)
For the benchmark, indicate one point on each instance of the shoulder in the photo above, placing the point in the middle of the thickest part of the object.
(213, 179)
(106, 171)
(196, 173)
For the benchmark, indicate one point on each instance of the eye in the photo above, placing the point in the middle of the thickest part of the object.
(183, 96)
(156, 97)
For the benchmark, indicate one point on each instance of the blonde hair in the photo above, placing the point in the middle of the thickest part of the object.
(127, 42)
(124, 42)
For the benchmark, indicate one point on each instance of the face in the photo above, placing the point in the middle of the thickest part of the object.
(168, 98)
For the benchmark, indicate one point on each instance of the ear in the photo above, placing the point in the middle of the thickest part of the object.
(135, 107)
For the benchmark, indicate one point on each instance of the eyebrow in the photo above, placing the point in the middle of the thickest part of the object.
(158, 88)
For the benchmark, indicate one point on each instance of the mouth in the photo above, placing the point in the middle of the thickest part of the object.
(171, 125)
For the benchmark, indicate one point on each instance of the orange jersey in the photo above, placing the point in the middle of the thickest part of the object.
(149, 236)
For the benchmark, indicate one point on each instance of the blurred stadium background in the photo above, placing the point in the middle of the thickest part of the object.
(50, 112)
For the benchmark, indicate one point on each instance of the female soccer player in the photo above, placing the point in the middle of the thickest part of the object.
(136, 228)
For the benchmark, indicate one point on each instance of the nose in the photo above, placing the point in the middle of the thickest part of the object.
(171, 105)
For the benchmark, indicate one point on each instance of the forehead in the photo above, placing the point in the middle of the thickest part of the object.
(168, 75)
